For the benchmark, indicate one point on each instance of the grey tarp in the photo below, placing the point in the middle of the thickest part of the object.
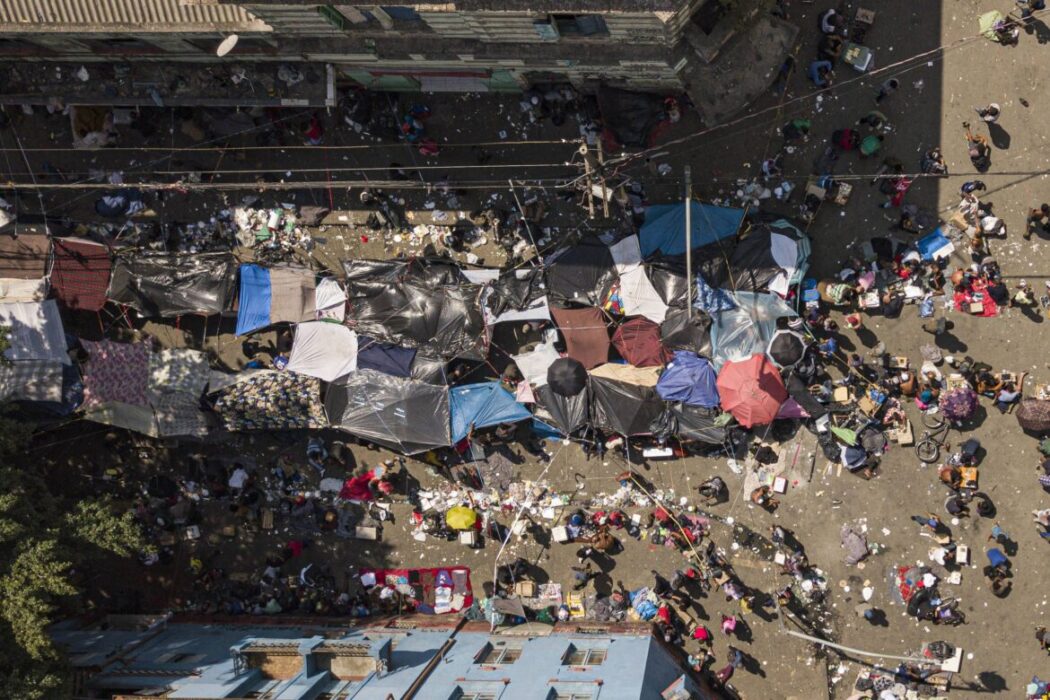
(422, 304)
(403, 414)
(697, 424)
(171, 285)
(624, 399)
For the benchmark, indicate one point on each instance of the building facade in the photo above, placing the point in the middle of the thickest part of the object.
(463, 46)
(415, 657)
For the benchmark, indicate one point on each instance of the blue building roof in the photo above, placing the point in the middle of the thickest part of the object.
(302, 662)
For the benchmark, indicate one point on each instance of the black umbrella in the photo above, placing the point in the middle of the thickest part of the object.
(679, 331)
(786, 348)
(566, 376)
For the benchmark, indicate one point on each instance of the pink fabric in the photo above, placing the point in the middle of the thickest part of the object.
(116, 372)
(356, 488)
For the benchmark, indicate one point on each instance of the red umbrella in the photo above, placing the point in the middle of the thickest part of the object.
(751, 390)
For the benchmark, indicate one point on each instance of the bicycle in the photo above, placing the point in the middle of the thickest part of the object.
(928, 447)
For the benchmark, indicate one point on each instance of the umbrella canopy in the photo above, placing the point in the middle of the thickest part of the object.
(958, 404)
(689, 379)
(1034, 415)
(786, 348)
(566, 377)
(460, 518)
(751, 390)
(638, 341)
(987, 23)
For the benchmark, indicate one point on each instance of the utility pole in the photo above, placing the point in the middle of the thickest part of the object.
(601, 167)
(590, 166)
(688, 242)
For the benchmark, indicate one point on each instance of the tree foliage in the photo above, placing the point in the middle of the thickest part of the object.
(43, 537)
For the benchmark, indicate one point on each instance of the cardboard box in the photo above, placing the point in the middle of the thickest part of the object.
(560, 534)
(525, 589)
(962, 555)
(840, 395)
(468, 537)
(267, 519)
(976, 307)
(780, 484)
(364, 532)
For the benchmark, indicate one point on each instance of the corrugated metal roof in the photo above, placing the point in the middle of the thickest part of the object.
(142, 15)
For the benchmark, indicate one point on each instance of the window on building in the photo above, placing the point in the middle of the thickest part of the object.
(577, 656)
(477, 690)
(579, 25)
(499, 654)
(565, 694)
(400, 13)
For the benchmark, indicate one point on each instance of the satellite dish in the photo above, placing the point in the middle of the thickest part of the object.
(227, 45)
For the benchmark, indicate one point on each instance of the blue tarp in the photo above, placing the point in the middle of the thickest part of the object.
(484, 405)
(664, 227)
(384, 357)
(931, 243)
(253, 310)
(689, 379)
(711, 300)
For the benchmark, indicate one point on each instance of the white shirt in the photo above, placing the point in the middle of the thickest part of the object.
(238, 478)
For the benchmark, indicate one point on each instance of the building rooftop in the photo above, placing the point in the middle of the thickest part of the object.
(144, 16)
(555, 6)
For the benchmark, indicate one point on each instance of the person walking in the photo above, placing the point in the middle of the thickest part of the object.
(978, 149)
(1038, 220)
(886, 89)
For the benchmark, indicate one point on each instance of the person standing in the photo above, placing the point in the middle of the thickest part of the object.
(886, 89)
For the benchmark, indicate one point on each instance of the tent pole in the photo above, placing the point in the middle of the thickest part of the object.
(688, 242)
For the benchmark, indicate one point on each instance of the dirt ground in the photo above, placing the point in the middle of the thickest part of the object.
(938, 93)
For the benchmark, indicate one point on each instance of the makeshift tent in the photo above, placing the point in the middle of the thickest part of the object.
(177, 379)
(515, 295)
(323, 349)
(630, 118)
(638, 341)
(272, 400)
(80, 273)
(747, 329)
(566, 377)
(680, 331)
(384, 357)
(403, 414)
(637, 293)
(116, 373)
(583, 274)
(770, 258)
(424, 304)
(566, 413)
(534, 364)
(23, 267)
(38, 381)
(751, 390)
(669, 280)
(275, 295)
(35, 331)
(624, 398)
(664, 227)
(585, 333)
(482, 405)
(689, 379)
(696, 424)
(170, 285)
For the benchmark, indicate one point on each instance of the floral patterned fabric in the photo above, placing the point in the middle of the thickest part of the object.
(116, 372)
(272, 401)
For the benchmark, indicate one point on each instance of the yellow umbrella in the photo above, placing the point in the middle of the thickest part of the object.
(460, 518)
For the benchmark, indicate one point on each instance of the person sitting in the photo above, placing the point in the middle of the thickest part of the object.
(821, 73)
(714, 491)
(830, 48)
(763, 497)
(988, 384)
(932, 163)
(1007, 396)
(845, 139)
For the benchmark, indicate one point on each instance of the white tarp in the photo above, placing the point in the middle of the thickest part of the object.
(638, 294)
(16, 290)
(31, 380)
(331, 299)
(36, 331)
(324, 350)
(785, 253)
(534, 364)
(738, 333)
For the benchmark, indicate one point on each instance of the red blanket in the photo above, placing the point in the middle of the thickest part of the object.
(963, 300)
